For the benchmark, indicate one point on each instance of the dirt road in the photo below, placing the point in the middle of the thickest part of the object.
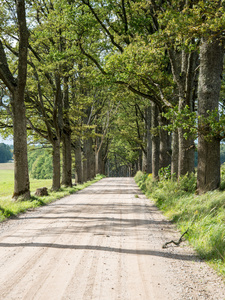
(105, 243)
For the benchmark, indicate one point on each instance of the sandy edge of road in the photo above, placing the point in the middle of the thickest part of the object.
(104, 242)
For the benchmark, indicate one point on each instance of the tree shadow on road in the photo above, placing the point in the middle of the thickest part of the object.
(165, 254)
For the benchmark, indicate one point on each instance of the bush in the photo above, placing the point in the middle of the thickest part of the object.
(222, 185)
(188, 183)
(140, 179)
(165, 173)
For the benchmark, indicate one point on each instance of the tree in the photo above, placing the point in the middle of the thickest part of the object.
(17, 88)
(127, 136)
(203, 23)
(48, 92)
(122, 30)
(211, 66)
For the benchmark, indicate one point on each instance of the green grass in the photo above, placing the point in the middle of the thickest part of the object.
(7, 182)
(8, 208)
(203, 215)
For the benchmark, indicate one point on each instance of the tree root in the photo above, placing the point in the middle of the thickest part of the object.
(175, 243)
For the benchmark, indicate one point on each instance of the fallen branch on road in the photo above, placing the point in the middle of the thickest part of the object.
(173, 242)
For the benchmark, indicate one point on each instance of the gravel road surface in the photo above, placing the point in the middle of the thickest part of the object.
(104, 242)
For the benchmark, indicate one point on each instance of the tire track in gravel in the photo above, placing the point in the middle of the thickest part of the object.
(26, 269)
(89, 279)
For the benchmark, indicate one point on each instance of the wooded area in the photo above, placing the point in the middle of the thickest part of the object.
(121, 86)
(5, 153)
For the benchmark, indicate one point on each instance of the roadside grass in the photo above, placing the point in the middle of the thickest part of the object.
(8, 208)
(203, 216)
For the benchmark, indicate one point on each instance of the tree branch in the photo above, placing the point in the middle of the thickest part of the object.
(23, 45)
(102, 25)
(91, 58)
(5, 74)
(38, 131)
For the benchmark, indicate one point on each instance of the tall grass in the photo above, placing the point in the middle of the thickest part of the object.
(8, 208)
(203, 216)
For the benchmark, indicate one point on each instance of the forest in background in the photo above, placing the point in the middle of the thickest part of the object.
(117, 86)
(6, 153)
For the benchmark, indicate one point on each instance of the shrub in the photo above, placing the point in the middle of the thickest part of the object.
(222, 185)
(138, 176)
(188, 183)
(165, 173)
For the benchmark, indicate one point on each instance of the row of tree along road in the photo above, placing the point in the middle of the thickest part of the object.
(122, 85)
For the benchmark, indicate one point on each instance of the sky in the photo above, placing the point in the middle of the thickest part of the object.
(8, 141)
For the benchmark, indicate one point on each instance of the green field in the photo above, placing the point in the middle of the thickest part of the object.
(6, 183)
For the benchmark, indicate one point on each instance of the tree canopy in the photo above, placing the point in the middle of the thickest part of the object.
(118, 84)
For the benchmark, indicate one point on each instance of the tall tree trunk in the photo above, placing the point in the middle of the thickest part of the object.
(139, 162)
(183, 68)
(155, 142)
(165, 145)
(133, 170)
(149, 140)
(90, 155)
(78, 162)
(147, 154)
(211, 65)
(21, 174)
(144, 148)
(66, 139)
(186, 154)
(104, 152)
(144, 160)
(99, 162)
(85, 171)
(186, 89)
(56, 165)
(67, 160)
(85, 154)
(103, 172)
(56, 138)
(175, 144)
(175, 154)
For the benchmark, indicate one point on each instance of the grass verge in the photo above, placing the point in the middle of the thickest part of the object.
(8, 208)
(203, 216)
